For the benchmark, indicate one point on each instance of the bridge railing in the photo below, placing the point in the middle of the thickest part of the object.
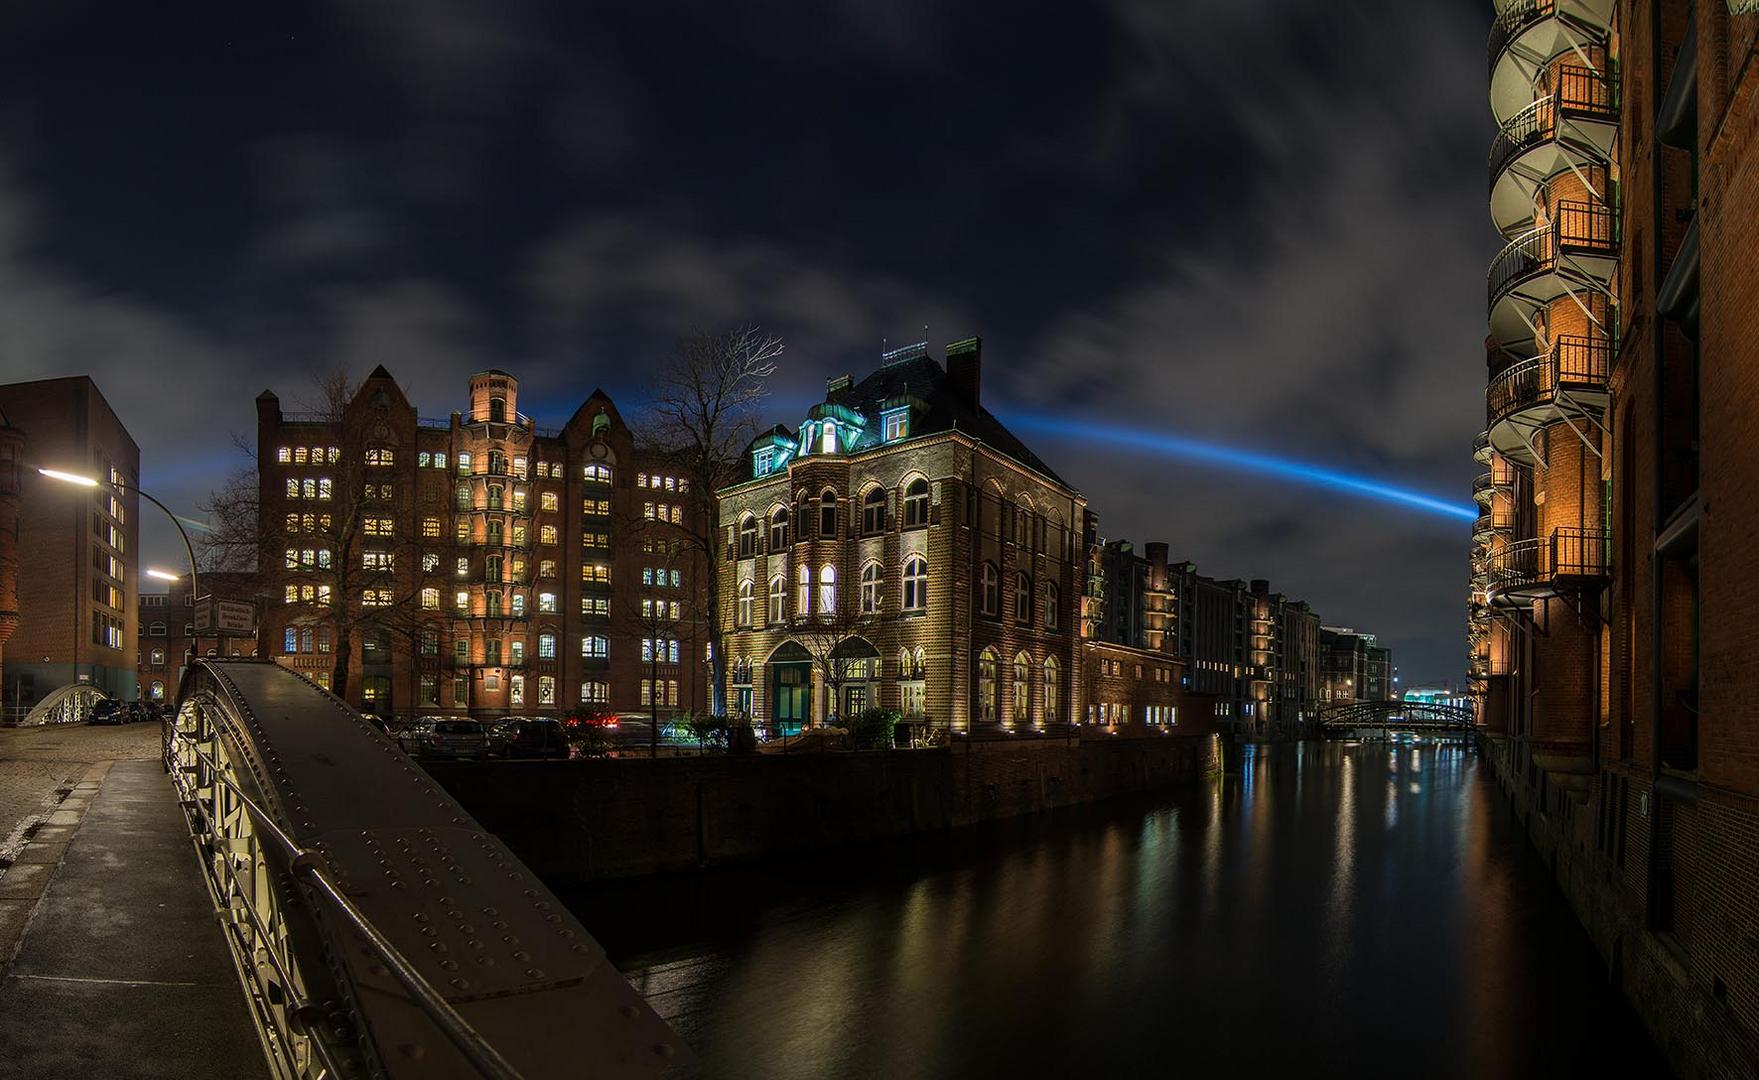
(70, 704)
(377, 930)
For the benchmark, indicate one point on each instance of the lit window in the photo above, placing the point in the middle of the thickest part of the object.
(743, 615)
(803, 598)
(915, 583)
(546, 646)
(778, 590)
(549, 501)
(986, 686)
(1022, 688)
(546, 603)
(897, 425)
(1053, 683)
(461, 600)
(596, 474)
(546, 534)
(464, 463)
(779, 529)
(827, 590)
(594, 647)
(870, 588)
(430, 599)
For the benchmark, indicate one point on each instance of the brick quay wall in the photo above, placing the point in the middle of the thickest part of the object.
(577, 821)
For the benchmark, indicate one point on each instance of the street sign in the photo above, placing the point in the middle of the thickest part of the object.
(225, 618)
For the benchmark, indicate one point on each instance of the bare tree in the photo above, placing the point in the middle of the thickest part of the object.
(669, 601)
(826, 634)
(352, 529)
(703, 413)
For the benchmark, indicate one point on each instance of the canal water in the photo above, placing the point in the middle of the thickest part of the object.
(1331, 910)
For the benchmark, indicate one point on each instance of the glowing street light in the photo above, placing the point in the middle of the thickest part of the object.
(162, 575)
(78, 480)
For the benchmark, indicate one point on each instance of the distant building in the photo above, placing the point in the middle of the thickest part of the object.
(77, 548)
(492, 567)
(1353, 667)
(168, 637)
(1253, 652)
(902, 526)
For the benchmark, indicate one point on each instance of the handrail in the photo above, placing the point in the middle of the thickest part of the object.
(1574, 361)
(1575, 226)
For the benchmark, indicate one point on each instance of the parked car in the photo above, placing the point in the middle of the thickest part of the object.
(465, 739)
(538, 738)
(413, 737)
(500, 734)
(108, 711)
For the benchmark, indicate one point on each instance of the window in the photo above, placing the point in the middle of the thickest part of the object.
(461, 650)
(747, 536)
(916, 504)
(803, 594)
(896, 424)
(594, 646)
(430, 527)
(549, 500)
(498, 410)
(518, 605)
(157, 629)
(430, 689)
(430, 643)
(291, 642)
(375, 560)
(986, 686)
(462, 602)
(379, 457)
(827, 515)
(827, 590)
(546, 646)
(464, 463)
(1053, 684)
(158, 690)
(779, 529)
(430, 599)
(989, 591)
(546, 534)
(378, 526)
(546, 603)
(1022, 688)
(1022, 526)
(871, 580)
(597, 474)
(1022, 598)
(915, 583)
(1051, 594)
(497, 463)
(595, 693)
(873, 511)
(912, 671)
(284, 455)
(375, 598)
(778, 590)
(439, 460)
(546, 689)
(743, 615)
(595, 605)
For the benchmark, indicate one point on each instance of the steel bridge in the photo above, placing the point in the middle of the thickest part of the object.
(69, 704)
(376, 929)
(1384, 716)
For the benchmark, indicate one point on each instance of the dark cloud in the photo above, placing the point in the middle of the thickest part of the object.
(1259, 222)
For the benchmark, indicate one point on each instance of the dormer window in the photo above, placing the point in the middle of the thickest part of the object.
(828, 438)
(896, 425)
(765, 462)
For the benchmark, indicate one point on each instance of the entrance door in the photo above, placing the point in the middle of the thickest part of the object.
(791, 697)
(854, 701)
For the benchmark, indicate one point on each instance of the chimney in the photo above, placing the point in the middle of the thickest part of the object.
(838, 382)
(965, 367)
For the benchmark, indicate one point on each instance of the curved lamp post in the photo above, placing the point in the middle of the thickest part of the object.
(189, 549)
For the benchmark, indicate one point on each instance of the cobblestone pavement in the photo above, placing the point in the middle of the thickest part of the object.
(36, 762)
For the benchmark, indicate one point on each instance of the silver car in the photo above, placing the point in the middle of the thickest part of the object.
(463, 739)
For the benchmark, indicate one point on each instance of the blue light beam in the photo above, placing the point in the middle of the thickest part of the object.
(1244, 460)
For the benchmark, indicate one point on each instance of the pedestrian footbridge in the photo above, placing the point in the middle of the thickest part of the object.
(374, 928)
(1419, 717)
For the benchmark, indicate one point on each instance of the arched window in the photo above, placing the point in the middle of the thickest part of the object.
(827, 515)
(871, 579)
(873, 511)
(1022, 598)
(827, 590)
(1053, 684)
(744, 613)
(989, 600)
(915, 583)
(1023, 526)
(498, 410)
(986, 686)
(778, 590)
(747, 536)
(157, 629)
(497, 463)
(803, 595)
(492, 568)
(158, 690)
(779, 529)
(916, 504)
(1022, 688)
(1052, 596)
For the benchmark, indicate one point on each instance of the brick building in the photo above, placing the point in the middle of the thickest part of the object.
(77, 548)
(168, 636)
(12, 450)
(480, 564)
(1253, 652)
(1353, 667)
(1621, 442)
(940, 559)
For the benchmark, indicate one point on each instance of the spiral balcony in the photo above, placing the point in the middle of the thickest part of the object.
(1575, 128)
(1526, 34)
(1575, 254)
(1568, 384)
(1569, 559)
(1481, 448)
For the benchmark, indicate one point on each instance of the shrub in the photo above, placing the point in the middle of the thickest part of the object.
(874, 728)
(589, 731)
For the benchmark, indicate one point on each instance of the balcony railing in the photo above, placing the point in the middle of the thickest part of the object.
(1574, 363)
(1512, 18)
(1582, 94)
(1531, 568)
(1578, 228)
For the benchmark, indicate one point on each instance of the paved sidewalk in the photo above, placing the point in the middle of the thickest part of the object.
(123, 970)
(39, 762)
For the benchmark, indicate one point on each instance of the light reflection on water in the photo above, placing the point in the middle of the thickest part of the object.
(1333, 908)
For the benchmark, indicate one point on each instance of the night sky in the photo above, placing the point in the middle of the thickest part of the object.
(1252, 221)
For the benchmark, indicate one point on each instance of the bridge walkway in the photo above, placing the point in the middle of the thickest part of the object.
(123, 970)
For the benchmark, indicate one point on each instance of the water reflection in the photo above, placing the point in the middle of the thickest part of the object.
(1359, 909)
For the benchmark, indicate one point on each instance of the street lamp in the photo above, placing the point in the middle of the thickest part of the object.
(189, 549)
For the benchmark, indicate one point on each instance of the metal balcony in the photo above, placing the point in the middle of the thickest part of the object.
(1570, 558)
(1526, 34)
(1575, 254)
(1567, 385)
(1481, 448)
(1573, 128)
